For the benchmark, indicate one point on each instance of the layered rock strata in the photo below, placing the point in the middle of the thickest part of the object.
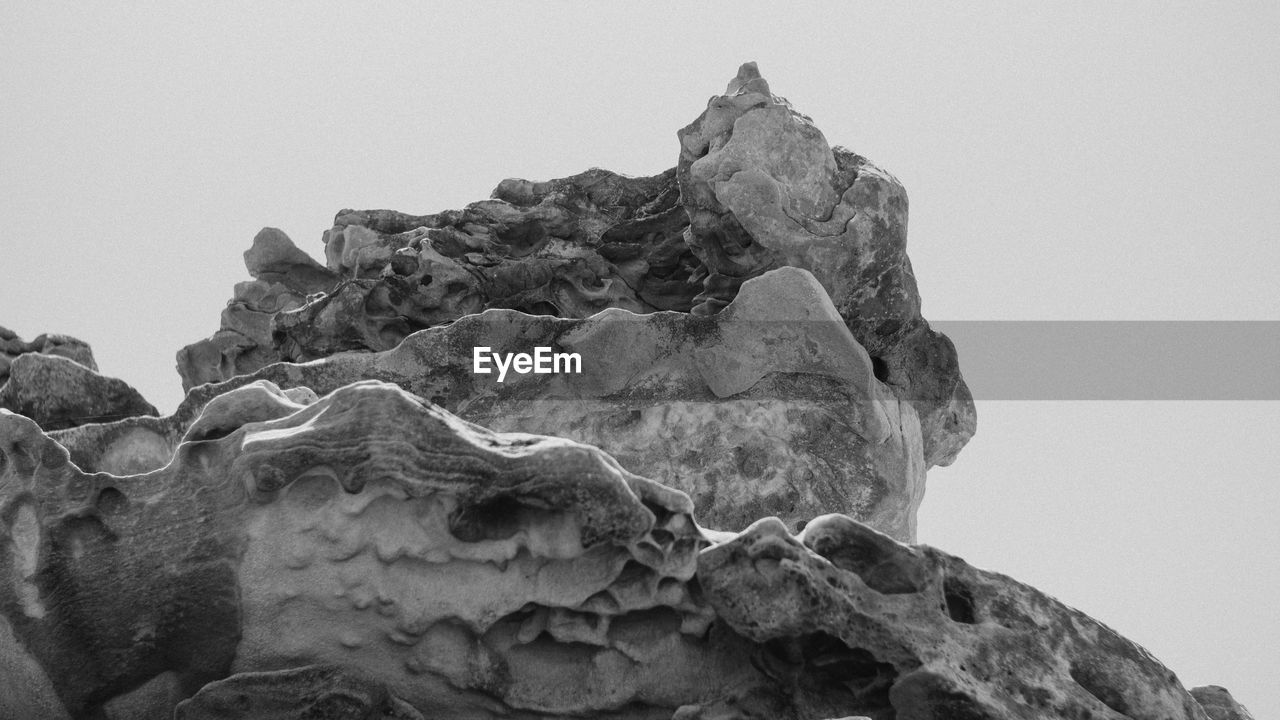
(369, 551)
(345, 519)
(756, 188)
(767, 408)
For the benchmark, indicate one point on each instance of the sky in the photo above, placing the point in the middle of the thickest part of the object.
(1065, 161)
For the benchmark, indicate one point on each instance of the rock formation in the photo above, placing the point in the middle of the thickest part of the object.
(54, 381)
(757, 187)
(702, 510)
(373, 549)
(767, 408)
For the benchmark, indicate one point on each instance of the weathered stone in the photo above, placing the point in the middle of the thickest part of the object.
(1218, 703)
(768, 408)
(910, 632)
(284, 277)
(568, 247)
(757, 187)
(763, 189)
(11, 346)
(369, 555)
(58, 393)
(307, 693)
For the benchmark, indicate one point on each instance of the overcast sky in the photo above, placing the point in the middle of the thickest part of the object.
(1080, 161)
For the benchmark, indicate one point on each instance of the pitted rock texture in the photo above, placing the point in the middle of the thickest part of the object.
(763, 189)
(910, 632)
(767, 408)
(568, 248)
(368, 555)
(756, 188)
(54, 381)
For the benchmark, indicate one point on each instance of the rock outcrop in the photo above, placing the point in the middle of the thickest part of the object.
(369, 551)
(700, 507)
(756, 188)
(767, 408)
(54, 381)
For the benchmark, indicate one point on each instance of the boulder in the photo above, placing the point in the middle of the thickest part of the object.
(54, 381)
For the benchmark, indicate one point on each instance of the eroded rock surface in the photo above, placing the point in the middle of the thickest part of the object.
(54, 381)
(763, 189)
(767, 408)
(911, 632)
(569, 248)
(756, 188)
(369, 555)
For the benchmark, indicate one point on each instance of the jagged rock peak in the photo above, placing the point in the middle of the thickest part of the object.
(748, 80)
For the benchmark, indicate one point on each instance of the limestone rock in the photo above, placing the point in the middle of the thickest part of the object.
(369, 555)
(54, 381)
(763, 189)
(768, 408)
(1218, 703)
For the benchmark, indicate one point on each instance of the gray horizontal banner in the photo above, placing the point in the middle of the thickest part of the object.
(999, 359)
(1118, 360)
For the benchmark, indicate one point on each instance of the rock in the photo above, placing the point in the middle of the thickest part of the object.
(11, 346)
(768, 408)
(756, 188)
(300, 693)
(568, 248)
(1218, 703)
(763, 189)
(284, 277)
(56, 383)
(911, 632)
(369, 555)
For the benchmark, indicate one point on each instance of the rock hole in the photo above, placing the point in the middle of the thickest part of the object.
(425, 280)
(1095, 681)
(959, 601)
(880, 369)
(632, 572)
(523, 239)
(541, 307)
(110, 501)
(494, 519)
(404, 264)
(661, 515)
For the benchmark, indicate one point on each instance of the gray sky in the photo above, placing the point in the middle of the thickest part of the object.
(1073, 161)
